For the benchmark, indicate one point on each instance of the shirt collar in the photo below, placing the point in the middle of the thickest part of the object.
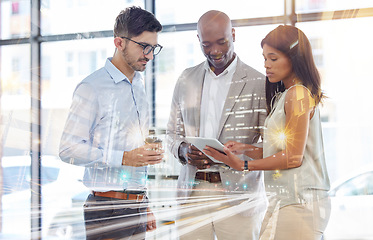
(231, 67)
(117, 75)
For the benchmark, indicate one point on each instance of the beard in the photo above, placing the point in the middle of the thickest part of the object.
(135, 64)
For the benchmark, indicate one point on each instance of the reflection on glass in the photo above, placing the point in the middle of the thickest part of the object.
(70, 16)
(15, 19)
(60, 188)
(247, 45)
(303, 6)
(345, 49)
(15, 99)
(341, 49)
(352, 197)
(177, 12)
(359, 185)
(15, 138)
(181, 50)
(64, 65)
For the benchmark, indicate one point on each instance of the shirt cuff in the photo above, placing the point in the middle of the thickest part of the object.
(116, 159)
(182, 155)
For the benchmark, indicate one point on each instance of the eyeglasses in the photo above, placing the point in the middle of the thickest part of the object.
(147, 48)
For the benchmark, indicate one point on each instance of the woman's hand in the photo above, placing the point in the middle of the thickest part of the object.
(243, 148)
(228, 158)
(237, 147)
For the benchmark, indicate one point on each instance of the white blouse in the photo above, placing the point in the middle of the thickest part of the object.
(304, 183)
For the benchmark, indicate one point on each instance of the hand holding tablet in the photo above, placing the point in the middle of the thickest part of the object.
(201, 143)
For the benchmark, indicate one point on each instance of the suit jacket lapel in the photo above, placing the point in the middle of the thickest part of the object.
(199, 79)
(237, 85)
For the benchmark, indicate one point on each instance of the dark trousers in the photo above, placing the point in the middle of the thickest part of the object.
(110, 218)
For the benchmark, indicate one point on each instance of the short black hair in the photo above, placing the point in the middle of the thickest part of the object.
(133, 21)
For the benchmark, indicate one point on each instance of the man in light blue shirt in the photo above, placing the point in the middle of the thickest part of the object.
(106, 128)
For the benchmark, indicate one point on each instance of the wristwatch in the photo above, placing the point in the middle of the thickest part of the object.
(246, 167)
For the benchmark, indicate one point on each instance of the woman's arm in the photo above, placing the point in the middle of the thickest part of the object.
(247, 149)
(299, 107)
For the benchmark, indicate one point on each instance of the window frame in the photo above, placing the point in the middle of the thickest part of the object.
(36, 39)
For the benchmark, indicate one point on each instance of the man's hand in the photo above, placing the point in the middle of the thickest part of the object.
(195, 157)
(151, 223)
(147, 154)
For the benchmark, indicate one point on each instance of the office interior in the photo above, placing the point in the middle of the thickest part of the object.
(48, 46)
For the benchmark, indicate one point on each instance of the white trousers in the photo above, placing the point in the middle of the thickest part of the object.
(299, 221)
(209, 213)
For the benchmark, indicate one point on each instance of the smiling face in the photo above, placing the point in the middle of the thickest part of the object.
(216, 36)
(278, 66)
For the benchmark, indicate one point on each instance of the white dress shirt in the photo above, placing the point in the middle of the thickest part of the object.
(214, 92)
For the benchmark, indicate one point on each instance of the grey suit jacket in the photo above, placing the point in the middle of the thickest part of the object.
(242, 120)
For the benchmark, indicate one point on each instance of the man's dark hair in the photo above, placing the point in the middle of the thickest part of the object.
(133, 21)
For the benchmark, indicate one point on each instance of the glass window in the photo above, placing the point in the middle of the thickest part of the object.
(341, 49)
(18, 178)
(303, 6)
(60, 185)
(68, 63)
(15, 99)
(359, 185)
(182, 50)
(65, 70)
(345, 52)
(247, 45)
(177, 12)
(14, 19)
(59, 17)
(15, 138)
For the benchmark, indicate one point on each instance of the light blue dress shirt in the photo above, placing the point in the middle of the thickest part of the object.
(108, 116)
